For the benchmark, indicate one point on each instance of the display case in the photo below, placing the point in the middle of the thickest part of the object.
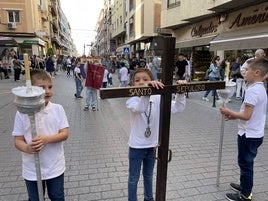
(200, 63)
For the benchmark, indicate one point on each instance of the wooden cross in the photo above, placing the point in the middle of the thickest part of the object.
(163, 154)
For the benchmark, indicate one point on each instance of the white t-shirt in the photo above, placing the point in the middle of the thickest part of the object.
(69, 62)
(138, 120)
(123, 74)
(105, 79)
(48, 121)
(256, 97)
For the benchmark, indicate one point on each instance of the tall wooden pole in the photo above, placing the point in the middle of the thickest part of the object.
(167, 64)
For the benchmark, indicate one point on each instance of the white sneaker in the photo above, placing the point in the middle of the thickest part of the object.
(205, 99)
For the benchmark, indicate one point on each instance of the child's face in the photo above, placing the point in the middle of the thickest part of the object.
(47, 86)
(141, 79)
(250, 74)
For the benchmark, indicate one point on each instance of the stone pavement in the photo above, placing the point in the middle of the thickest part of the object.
(97, 152)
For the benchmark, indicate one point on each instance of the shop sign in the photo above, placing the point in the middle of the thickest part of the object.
(256, 18)
(201, 30)
(31, 41)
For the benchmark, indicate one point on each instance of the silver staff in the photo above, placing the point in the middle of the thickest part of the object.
(224, 94)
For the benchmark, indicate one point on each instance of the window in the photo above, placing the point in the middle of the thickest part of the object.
(14, 16)
(131, 5)
(173, 3)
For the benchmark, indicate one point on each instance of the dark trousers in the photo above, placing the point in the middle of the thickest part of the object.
(17, 72)
(55, 189)
(247, 151)
(5, 71)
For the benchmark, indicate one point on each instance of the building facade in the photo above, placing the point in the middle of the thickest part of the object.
(227, 28)
(202, 29)
(30, 26)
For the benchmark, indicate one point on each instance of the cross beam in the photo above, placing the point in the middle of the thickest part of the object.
(168, 51)
(168, 89)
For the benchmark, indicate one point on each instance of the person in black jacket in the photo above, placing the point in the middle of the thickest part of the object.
(50, 68)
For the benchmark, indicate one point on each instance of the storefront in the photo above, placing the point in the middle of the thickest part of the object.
(193, 40)
(31, 46)
(7, 43)
(238, 33)
(243, 32)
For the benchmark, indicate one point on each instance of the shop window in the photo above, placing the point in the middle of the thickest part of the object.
(14, 16)
(173, 3)
(131, 5)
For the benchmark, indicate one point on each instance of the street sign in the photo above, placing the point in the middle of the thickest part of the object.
(126, 50)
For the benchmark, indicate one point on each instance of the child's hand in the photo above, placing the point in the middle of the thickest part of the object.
(38, 142)
(181, 82)
(156, 84)
(30, 149)
(227, 113)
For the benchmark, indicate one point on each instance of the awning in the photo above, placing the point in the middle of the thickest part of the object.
(8, 41)
(243, 39)
(36, 41)
(195, 42)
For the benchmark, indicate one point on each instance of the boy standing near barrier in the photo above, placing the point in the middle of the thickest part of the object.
(252, 118)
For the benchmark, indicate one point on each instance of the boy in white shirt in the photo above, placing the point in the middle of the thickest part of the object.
(52, 129)
(252, 118)
(144, 119)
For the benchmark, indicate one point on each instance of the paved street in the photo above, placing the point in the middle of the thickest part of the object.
(96, 151)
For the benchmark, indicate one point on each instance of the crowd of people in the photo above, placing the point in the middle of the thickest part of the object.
(230, 69)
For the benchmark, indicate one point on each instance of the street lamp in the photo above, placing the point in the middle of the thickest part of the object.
(84, 52)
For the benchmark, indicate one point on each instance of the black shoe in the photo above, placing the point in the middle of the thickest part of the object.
(235, 187)
(79, 97)
(75, 95)
(93, 109)
(152, 199)
(237, 197)
(85, 108)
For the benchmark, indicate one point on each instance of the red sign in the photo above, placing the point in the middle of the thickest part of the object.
(94, 76)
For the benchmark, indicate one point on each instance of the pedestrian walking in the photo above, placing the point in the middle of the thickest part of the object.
(94, 80)
(155, 66)
(105, 78)
(252, 119)
(181, 67)
(123, 75)
(52, 129)
(144, 119)
(17, 66)
(78, 80)
(69, 66)
(213, 75)
(50, 68)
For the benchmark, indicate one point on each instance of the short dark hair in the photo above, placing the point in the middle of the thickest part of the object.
(141, 70)
(39, 74)
(259, 64)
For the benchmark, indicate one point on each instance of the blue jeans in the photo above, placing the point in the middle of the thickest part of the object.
(91, 97)
(137, 158)
(55, 189)
(154, 73)
(79, 87)
(214, 92)
(247, 151)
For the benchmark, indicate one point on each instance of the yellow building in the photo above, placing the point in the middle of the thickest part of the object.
(30, 26)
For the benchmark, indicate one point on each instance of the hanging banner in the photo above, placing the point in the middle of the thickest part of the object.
(94, 76)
